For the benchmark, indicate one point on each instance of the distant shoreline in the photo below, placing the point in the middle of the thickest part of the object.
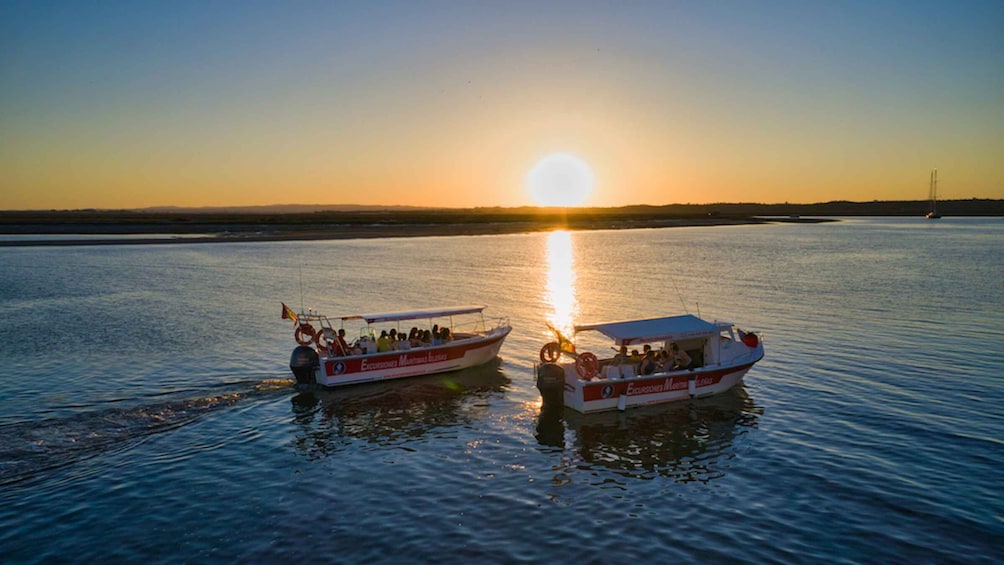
(164, 234)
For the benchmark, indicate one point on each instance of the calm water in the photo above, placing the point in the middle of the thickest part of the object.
(147, 413)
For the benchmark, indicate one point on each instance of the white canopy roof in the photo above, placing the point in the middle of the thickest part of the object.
(416, 314)
(654, 329)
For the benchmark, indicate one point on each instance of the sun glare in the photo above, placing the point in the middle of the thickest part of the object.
(560, 292)
(560, 179)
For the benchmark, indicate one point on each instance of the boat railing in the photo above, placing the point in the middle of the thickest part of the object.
(321, 321)
(313, 317)
(469, 327)
(480, 326)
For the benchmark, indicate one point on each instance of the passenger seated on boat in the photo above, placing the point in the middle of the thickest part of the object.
(395, 340)
(444, 335)
(338, 345)
(402, 342)
(414, 337)
(648, 364)
(664, 361)
(621, 357)
(383, 342)
(635, 360)
(426, 337)
(679, 357)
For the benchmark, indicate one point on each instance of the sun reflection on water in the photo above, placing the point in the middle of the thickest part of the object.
(561, 282)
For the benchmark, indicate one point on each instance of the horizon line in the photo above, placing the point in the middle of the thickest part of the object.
(393, 207)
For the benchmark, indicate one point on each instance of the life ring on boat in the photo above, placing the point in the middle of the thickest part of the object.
(330, 342)
(305, 334)
(587, 366)
(322, 340)
(550, 353)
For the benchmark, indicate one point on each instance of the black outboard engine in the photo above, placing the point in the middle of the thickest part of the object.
(304, 364)
(551, 384)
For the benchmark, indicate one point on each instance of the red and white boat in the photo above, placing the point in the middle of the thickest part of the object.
(322, 357)
(716, 360)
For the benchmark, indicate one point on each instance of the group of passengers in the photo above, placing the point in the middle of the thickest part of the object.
(390, 340)
(393, 340)
(651, 361)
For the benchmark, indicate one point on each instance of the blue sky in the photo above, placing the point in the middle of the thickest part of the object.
(129, 104)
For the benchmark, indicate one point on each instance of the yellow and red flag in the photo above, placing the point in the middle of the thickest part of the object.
(287, 313)
(564, 344)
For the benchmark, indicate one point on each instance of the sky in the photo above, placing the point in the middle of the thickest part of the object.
(234, 103)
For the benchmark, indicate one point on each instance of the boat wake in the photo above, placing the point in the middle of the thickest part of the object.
(402, 413)
(30, 448)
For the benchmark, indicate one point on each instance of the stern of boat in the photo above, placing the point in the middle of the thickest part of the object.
(559, 386)
(304, 362)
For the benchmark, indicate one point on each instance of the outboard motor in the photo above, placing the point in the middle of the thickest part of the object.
(304, 363)
(551, 384)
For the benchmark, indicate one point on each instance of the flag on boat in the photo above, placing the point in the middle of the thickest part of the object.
(287, 313)
(564, 344)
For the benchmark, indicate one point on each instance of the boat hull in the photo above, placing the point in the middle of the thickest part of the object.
(335, 371)
(601, 395)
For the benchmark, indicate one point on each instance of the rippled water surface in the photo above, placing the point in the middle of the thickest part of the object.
(147, 412)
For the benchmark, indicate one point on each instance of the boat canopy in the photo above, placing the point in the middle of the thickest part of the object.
(655, 329)
(416, 314)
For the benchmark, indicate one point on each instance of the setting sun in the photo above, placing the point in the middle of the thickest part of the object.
(560, 179)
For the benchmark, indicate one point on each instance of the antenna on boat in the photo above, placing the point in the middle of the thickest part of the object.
(682, 303)
(301, 287)
(698, 309)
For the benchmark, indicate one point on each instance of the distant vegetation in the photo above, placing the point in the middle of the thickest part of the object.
(307, 217)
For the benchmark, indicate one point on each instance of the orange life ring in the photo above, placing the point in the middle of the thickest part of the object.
(305, 334)
(587, 366)
(550, 353)
(322, 340)
(331, 343)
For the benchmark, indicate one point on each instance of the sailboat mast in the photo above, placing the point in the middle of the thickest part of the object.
(933, 196)
(934, 191)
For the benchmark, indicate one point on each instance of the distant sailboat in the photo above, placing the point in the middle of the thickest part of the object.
(933, 196)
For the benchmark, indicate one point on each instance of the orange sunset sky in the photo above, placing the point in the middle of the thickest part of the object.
(136, 104)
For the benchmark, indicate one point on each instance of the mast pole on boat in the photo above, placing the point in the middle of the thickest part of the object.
(933, 196)
(301, 288)
(934, 191)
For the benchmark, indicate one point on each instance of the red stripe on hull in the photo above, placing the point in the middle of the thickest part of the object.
(594, 390)
(401, 359)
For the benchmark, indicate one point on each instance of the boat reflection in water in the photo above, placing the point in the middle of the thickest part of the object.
(685, 441)
(395, 413)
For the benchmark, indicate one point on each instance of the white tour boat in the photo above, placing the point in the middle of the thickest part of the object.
(326, 357)
(713, 359)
